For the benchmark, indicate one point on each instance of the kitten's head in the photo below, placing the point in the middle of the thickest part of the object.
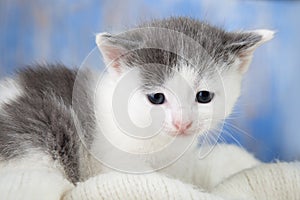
(188, 69)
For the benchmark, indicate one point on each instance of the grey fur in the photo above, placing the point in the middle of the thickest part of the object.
(43, 118)
(217, 48)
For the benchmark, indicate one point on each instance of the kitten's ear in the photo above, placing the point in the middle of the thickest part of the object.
(243, 44)
(113, 48)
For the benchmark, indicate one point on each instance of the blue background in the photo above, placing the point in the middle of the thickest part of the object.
(266, 119)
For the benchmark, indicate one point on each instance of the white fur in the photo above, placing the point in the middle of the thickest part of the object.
(32, 177)
(180, 92)
(9, 90)
(265, 33)
(112, 140)
(209, 171)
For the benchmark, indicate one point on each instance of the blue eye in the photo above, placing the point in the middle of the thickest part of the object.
(204, 96)
(156, 98)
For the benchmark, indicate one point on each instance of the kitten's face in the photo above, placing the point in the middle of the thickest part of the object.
(186, 103)
(172, 95)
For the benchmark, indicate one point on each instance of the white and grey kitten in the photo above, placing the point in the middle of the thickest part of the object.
(195, 91)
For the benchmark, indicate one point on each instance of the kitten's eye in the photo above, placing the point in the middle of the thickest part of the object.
(156, 98)
(204, 96)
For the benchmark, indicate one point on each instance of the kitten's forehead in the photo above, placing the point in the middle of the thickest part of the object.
(163, 47)
(185, 75)
(157, 76)
(175, 40)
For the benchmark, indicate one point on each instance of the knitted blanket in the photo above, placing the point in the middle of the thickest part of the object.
(225, 179)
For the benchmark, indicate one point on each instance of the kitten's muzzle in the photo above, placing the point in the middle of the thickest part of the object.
(182, 126)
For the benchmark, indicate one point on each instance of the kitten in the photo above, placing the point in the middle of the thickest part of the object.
(166, 82)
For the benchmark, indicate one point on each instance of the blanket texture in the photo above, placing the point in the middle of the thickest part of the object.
(226, 178)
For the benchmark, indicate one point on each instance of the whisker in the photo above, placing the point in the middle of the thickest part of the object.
(232, 137)
(240, 131)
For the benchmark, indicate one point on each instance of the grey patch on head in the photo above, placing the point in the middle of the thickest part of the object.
(43, 118)
(218, 48)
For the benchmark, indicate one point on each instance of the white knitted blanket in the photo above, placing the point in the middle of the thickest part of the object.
(276, 181)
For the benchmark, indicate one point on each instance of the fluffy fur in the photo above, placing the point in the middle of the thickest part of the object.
(40, 114)
(9, 90)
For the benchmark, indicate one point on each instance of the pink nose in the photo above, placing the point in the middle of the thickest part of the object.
(182, 126)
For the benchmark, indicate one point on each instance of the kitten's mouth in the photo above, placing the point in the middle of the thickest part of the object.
(180, 133)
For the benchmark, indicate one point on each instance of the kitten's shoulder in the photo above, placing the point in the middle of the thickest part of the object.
(48, 78)
(36, 77)
(38, 80)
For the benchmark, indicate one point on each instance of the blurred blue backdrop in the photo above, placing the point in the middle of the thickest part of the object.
(266, 120)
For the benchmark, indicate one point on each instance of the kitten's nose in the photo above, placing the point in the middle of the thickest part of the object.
(182, 126)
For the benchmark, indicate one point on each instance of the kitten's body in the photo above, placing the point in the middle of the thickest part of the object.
(40, 118)
(37, 116)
